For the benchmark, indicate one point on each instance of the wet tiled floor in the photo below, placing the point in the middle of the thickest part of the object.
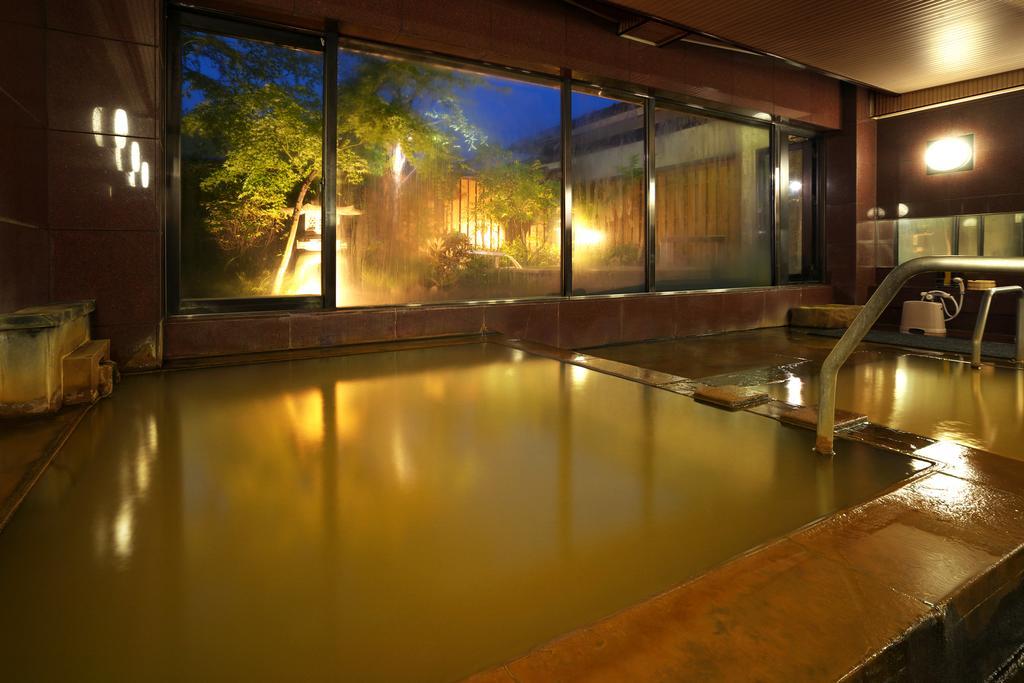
(415, 515)
(918, 392)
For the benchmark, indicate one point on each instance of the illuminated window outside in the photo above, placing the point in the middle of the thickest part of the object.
(713, 207)
(448, 184)
(251, 141)
(607, 194)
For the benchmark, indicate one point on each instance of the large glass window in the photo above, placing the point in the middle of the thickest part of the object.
(991, 234)
(608, 204)
(713, 185)
(1004, 234)
(797, 233)
(924, 237)
(251, 140)
(449, 183)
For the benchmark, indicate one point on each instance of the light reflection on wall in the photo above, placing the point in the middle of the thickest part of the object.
(138, 174)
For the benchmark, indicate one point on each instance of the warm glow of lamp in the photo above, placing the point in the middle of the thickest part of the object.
(585, 236)
(950, 154)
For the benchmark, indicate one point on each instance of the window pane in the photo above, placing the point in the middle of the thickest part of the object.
(967, 236)
(607, 195)
(251, 147)
(924, 237)
(798, 225)
(713, 207)
(1004, 234)
(448, 184)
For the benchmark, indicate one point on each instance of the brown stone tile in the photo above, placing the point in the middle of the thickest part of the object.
(23, 68)
(357, 327)
(30, 12)
(590, 47)
(536, 322)
(133, 347)
(777, 304)
(709, 73)
(455, 22)
(812, 295)
(360, 15)
(24, 266)
(807, 417)
(530, 29)
(977, 466)
(437, 321)
(589, 322)
(26, 447)
(648, 317)
(939, 539)
(84, 72)
(135, 21)
(748, 620)
(699, 314)
(87, 190)
(729, 396)
(624, 370)
(220, 336)
(23, 168)
(120, 269)
(743, 310)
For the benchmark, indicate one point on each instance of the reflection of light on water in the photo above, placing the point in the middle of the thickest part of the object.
(400, 459)
(123, 530)
(306, 414)
(794, 391)
(900, 377)
(348, 413)
(434, 387)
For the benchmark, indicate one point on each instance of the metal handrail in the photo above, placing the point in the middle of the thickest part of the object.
(979, 327)
(860, 326)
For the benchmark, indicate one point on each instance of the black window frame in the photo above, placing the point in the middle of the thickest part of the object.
(328, 42)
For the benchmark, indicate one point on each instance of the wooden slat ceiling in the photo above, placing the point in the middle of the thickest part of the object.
(894, 45)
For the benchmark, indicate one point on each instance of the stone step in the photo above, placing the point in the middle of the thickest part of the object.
(84, 373)
(827, 316)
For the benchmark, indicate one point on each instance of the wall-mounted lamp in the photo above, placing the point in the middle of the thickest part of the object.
(950, 154)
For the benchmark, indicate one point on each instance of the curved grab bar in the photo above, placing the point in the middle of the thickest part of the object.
(979, 326)
(860, 326)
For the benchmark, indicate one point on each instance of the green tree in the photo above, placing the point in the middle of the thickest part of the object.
(515, 194)
(259, 114)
